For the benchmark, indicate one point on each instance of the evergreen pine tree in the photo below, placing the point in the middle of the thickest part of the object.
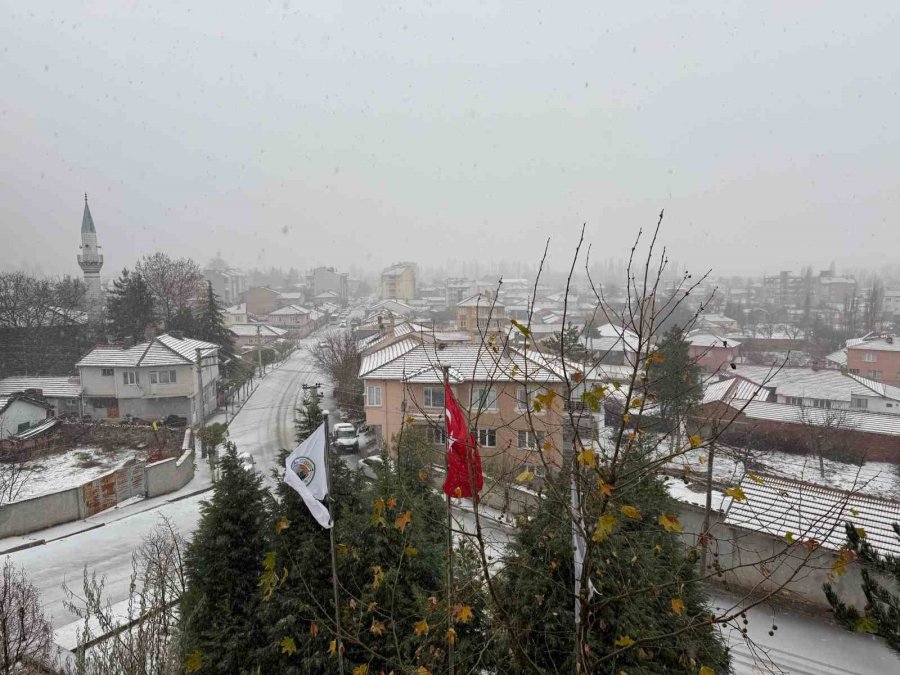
(675, 380)
(220, 609)
(881, 614)
(308, 417)
(211, 322)
(646, 583)
(130, 306)
(184, 321)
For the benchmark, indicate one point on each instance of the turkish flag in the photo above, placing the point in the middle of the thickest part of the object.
(463, 463)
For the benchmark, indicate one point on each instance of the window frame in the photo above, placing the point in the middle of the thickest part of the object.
(539, 438)
(435, 435)
(485, 435)
(130, 378)
(428, 395)
(476, 399)
(107, 372)
(528, 405)
(370, 390)
(870, 357)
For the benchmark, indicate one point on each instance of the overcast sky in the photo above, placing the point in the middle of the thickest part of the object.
(295, 133)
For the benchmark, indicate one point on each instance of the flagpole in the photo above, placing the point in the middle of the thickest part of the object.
(452, 669)
(334, 578)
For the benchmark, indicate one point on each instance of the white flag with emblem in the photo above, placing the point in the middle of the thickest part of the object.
(304, 470)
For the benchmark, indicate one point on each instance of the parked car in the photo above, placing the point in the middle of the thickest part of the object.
(247, 461)
(344, 437)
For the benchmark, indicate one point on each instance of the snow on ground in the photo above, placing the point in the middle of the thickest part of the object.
(730, 464)
(62, 471)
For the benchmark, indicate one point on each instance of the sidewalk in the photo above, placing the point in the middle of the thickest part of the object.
(200, 483)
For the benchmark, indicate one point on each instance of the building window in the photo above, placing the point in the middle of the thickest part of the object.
(434, 397)
(536, 469)
(854, 371)
(531, 440)
(162, 377)
(861, 403)
(487, 438)
(129, 377)
(107, 372)
(821, 403)
(874, 374)
(794, 400)
(373, 396)
(435, 436)
(484, 398)
(869, 357)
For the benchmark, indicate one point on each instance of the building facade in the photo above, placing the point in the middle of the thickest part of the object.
(876, 358)
(169, 375)
(323, 279)
(398, 282)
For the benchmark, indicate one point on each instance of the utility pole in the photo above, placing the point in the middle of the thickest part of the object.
(200, 383)
(259, 348)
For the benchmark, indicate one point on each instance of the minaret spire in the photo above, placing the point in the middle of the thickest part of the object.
(90, 260)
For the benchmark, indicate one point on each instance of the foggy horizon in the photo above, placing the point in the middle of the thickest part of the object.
(292, 136)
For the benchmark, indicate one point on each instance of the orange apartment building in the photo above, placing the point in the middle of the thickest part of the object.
(403, 378)
(876, 358)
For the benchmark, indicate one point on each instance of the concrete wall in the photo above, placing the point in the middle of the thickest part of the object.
(763, 563)
(38, 513)
(169, 475)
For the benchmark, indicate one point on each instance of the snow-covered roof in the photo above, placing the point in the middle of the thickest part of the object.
(412, 361)
(163, 350)
(848, 420)
(290, 310)
(8, 400)
(710, 340)
(885, 344)
(52, 387)
(734, 389)
(249, 330)
(839, 357)
(236, 309)
(828, 384)
(780, 505)
(480, 300)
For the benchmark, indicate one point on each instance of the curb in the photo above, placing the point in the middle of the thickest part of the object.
(189, 495)
(22, 547)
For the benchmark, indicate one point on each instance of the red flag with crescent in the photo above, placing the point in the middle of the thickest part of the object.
(464, 477)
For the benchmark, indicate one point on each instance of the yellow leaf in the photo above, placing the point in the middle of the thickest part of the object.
(695, 441)
(282, 524)
(624, 641)
(410, 421)
(361, 669)
(391, 503)
(677, 606)
(670, 523)
(423, 475)
(377, 576)
(657, 357)
(332, 647)
(458, 492)
(403, 520)
(625, 418)
(193, 662)
(377, 628)
(789, 537)
(421, 627)
(706, 670)
(736, 493)
(343, 549)
(631, 512)
(861, 532)
(269, 561)
(411, 551)
(313, 629)
(463, 613)
(866, 624)
(288, 646)
(605, 488)
(451, 636)
(756, 479)
(854, 512)
(605, 525)
(587, 458)
(523, 329)
(547, 446)
(577, 377)
(525, 476)
(371, 606)
(378, 506)
(422, 670)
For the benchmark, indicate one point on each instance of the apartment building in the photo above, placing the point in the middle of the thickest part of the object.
(403, 377)
(481, 313)
(398, 282)
(876, 358)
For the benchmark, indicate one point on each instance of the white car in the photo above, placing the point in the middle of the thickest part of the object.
(247, 461)
(344, 437)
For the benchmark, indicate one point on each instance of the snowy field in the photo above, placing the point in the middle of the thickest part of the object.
(62, 471)
(878, 479)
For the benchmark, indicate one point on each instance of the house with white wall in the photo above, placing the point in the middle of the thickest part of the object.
(19, 413)
(168, 375)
